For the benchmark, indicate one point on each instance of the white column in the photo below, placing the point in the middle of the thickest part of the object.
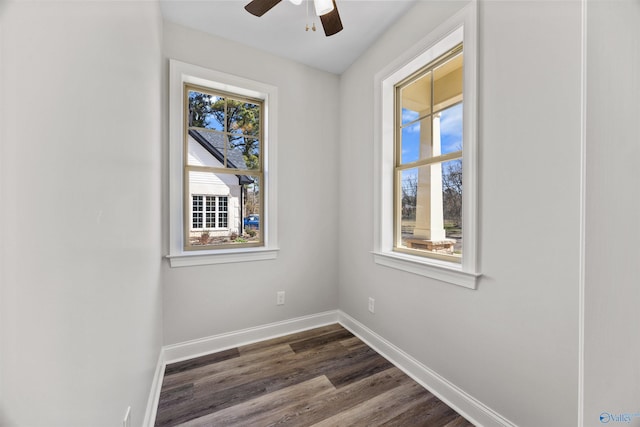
(429, 215)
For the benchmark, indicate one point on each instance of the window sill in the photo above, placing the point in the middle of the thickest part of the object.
(188, 259)
(434, 269)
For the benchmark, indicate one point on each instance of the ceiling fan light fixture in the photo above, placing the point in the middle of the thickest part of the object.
(323, 6)
(327, 10)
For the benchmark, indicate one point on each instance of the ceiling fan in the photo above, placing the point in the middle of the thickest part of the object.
(327, 10)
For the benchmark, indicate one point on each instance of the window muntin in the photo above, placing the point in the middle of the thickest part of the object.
(428, 160)
(223, 155)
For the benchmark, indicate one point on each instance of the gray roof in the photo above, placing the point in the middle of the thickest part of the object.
(215, 143)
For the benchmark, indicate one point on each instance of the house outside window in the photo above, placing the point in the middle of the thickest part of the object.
(222, 167)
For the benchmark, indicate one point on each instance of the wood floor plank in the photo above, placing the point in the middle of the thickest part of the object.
(324, 377)
(176, 396)
(245, 364)
(328, 404)
(459, 422)
(320, 340)
(265, 410)
(288, 339)
(364, 363)
(379, 409)
(201, 361)
(423, 413)
(352, 343)
(441, 416)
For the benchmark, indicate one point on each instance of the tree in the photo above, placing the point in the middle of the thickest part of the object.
(409, 196)
(240, 119)
(452, 192)
(199, 109)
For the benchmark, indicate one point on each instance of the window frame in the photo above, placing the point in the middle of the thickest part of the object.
(440, 159)
(225, 169)
(180, 75)
(460, 28)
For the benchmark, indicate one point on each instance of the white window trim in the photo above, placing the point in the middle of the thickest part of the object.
(179, 74)
(462, 27)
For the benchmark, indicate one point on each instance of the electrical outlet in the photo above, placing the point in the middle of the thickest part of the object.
(126, 421)
(372, 303)
(280, 298)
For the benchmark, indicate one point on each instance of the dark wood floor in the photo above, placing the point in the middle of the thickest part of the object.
(322, 377)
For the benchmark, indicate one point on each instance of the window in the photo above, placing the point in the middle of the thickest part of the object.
(209, 212)
(223, 152)
(426, 156)
(428, 160)
(222, 167)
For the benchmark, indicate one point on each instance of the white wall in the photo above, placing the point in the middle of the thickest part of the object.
(513, 343)
(612, 297)
(208, 300)
(80, 305)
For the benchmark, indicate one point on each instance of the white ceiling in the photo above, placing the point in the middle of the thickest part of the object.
(281, 31)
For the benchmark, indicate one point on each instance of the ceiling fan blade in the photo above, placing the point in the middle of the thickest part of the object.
(260, 7)
(331, 21)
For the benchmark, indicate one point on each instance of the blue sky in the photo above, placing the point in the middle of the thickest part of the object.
(450, 133)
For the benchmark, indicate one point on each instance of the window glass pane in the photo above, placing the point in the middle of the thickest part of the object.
(196, 209)
(197, 219)
(210, 220)
(416, 99)
(243, 118)
(447, 85)
(216, 149)
(253, 222)
(223, 211)
(449, 122)
(430, 208)
(408, 186)
(452, 202)
(211, 204)
(210, 212)
(206, 111)
(244, 153)
(253, 206)
(416, 141)
(207, 148)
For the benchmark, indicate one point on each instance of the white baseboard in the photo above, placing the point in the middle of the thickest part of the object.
(449, 393)
(456, 398)
(200, 347)
(154, 393)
